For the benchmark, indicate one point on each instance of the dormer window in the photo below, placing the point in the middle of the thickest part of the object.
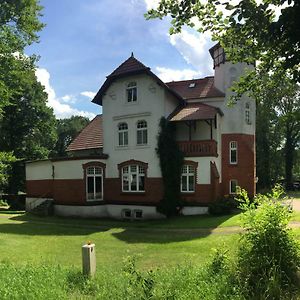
(219, 56)
(131, 92)
(192, 85)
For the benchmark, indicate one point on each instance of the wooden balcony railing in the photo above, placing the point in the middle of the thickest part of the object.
(199, 148)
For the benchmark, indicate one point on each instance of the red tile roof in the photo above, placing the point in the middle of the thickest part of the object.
(196, 111)
(196, 88)
(130, 65)
(90, 137)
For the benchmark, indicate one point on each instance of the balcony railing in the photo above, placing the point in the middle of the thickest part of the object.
(199, 148)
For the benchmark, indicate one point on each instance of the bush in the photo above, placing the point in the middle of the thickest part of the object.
(268, 254)
(223, 206)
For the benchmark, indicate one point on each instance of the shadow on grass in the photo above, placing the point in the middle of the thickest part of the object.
(156, 231)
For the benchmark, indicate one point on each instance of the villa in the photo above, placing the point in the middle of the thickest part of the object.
(112, 169)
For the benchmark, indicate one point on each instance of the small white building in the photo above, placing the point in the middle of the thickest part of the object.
(113, 169)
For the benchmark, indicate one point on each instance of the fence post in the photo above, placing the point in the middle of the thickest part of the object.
(89, 259)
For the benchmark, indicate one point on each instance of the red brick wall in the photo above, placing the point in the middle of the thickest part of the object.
(244, 170)
(63, 191)
(39, 188)
(113, 192)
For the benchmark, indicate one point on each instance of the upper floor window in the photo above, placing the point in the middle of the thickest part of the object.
(94, 183)
(131, 92)
(133, 178)
(233, 186)
(247, 113)
(142, 133)
(123, 134)
(233, 152)
(219, 56)
(188, 178)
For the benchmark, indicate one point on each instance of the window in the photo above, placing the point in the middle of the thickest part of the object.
(232, 186)
(94, 183)
(133, 178)
(188, 178)
(232, 76)
(219, 56)
(123, 134)
(247, 113)
(233, 153)
(142, 135)
(131, 92)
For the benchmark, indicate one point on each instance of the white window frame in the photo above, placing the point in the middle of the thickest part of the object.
(129, 173)
(247, 113)
(230, 186)
(122, 132)
(143, 131)
(131, 96)
(187, 172)
(94, 175)
(233, 146)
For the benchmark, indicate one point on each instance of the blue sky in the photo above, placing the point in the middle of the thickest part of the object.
(85, 40)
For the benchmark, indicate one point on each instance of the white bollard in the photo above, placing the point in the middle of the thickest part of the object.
(89, 259)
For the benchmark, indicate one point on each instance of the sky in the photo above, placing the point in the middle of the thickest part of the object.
(85, 40)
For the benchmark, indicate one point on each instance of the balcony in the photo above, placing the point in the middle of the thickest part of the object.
(199, 148)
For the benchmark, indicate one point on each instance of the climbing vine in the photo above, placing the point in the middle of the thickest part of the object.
(171, 161)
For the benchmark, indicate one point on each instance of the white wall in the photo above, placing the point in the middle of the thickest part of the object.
(68, 169)
(153, 103)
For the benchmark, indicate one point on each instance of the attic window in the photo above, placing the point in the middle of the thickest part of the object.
(192, 85)
(219, 56)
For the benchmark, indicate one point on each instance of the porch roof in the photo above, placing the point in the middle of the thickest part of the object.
(196, 111)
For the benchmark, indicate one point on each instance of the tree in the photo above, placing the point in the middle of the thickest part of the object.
(278, 128)
(171, 161)
(248, 30)
(19, 24)
(26, 123)
(67, 130)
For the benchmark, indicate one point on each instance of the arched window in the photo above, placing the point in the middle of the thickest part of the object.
(131, 92)
(142, 133)
(233, 152)
(123, 134)
(94, 183)
(188, 176)
(247, 113)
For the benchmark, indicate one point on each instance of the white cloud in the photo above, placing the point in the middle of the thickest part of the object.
(152, 4)
(61, 110)
(194, 46)
(167, 74)
(69, 99)
(88, 94)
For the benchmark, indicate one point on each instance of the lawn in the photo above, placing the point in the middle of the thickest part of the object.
(25, 238)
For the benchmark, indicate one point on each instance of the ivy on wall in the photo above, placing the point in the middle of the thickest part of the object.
(171, 161)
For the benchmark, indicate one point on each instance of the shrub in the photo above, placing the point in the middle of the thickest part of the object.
(268, 254)
(224, 206)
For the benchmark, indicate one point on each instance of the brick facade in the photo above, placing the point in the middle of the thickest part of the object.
(244, 170)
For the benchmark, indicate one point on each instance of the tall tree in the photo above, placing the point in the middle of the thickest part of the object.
(67, 130)
(26, 123)
(19, 25)
(249, 31)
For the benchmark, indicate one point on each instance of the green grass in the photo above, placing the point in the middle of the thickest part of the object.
(53, 240)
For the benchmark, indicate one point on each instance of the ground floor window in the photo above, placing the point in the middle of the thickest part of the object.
(233, 186)
(94, 183)
(133, 178)
(188, 178)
